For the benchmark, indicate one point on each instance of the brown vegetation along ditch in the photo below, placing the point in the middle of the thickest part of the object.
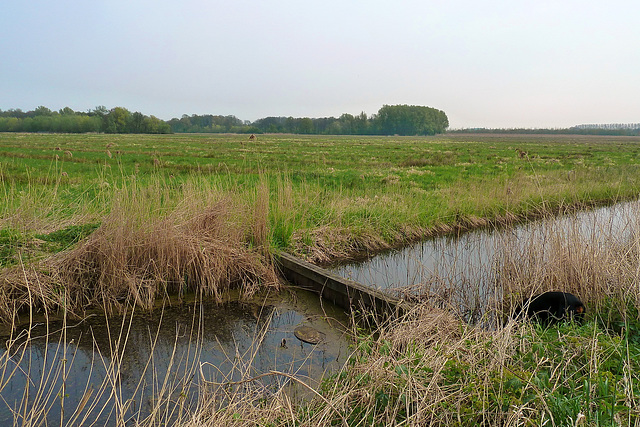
(431, 368)
(428, 368)
(598, 262)
(136, 256)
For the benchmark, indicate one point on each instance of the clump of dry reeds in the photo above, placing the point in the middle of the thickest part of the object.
(426, 326)
(433, 369)
(399, 374)
(121, 261)
(143, 250)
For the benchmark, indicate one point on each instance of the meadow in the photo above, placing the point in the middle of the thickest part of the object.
(328, 196)
(113, 220)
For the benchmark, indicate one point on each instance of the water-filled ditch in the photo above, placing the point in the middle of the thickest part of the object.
(104, 370)
(119, 369)
(465, 268)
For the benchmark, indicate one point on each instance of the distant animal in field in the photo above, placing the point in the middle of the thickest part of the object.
(522, 154)
(252, 137)
(551, 307)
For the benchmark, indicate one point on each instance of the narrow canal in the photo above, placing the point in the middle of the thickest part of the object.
(465, 268)
(99, 370)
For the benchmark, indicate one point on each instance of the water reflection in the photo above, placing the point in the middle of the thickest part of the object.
(124, 366)
(464, 268)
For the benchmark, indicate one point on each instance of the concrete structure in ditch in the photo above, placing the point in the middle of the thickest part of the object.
(342, 292)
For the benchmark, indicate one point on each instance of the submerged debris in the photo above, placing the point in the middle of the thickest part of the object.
(308, 334)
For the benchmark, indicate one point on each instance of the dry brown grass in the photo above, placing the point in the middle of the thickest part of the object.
(431, 368)
(590, 261)
(144, 250)
(408, 359)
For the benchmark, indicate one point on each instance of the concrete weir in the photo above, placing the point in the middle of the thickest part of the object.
(342, 292)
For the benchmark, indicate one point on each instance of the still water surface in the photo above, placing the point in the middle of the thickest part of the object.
(123, 365)
(467, 264)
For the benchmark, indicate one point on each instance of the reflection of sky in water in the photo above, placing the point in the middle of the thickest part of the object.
(219, 338)
(466, 264)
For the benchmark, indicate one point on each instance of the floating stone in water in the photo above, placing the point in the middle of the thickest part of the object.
(308, 334)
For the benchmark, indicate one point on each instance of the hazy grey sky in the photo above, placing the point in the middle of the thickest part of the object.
(485, 63)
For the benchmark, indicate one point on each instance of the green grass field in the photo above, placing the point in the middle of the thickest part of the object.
(329, 196)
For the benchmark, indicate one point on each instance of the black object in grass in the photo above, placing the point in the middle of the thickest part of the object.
(551, 307)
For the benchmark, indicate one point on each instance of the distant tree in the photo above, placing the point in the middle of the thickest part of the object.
(66, 111)
(116, 121)
(347, 123)
(185, 123)
(42, 111)
(291, 125)
(135, 122)
(100, 111)
(152, 124)
(410, 120)
(208, 123)
(10, 124)
(271, 124)
(14, 112)
(391, 119)
(42, 119)
(321, 125)
(306, 126)
(86, 123)
(335, 128)
(360, 124)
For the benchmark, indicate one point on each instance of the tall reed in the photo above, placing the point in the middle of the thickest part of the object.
(596, 259)
(151, 244)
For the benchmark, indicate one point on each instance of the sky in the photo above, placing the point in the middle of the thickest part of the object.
(493, 64)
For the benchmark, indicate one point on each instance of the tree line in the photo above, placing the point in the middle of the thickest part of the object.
(390, 120)
(574, 130)
(115, 120)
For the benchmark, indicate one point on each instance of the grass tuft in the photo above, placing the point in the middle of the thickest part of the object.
(201, 245)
